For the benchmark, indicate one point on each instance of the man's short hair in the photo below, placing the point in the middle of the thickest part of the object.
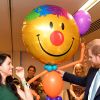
(94, 46)
(31, 66)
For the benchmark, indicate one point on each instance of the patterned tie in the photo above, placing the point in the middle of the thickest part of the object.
(95, 86)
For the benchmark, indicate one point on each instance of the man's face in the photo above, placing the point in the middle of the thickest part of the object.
(31, 72)
(94, 59)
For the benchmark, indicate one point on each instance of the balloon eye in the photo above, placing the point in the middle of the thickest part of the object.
(62, 26)
(51, 24)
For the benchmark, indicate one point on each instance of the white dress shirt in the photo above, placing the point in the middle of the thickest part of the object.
(94, 86)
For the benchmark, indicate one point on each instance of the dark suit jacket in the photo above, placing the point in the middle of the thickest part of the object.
(83, 81)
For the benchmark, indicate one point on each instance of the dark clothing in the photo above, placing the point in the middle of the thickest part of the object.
(35, 85)
(83, 81)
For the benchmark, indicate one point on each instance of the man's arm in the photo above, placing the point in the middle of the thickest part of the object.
(74, 79)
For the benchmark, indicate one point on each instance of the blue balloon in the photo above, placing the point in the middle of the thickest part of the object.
(54, 67)
(48, 67)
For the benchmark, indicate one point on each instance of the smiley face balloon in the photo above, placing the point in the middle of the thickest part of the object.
(50, 34)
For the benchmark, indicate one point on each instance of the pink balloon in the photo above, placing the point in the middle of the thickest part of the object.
(83, 20)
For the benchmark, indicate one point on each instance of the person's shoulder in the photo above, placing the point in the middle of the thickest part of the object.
(92, 69)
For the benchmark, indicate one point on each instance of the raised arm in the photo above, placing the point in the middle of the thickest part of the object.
(26, 94)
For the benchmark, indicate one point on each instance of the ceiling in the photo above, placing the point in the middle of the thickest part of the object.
(12, 13)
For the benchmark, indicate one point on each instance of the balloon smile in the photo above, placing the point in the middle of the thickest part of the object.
(55, 54)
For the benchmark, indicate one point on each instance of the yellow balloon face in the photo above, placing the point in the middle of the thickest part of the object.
(51, 38)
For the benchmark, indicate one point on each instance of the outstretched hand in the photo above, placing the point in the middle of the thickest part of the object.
(60, 72)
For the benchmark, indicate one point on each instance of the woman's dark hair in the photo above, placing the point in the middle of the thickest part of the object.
(31, 66)
(9, 79)
(16, 81)
(3, 57)
(10, 83)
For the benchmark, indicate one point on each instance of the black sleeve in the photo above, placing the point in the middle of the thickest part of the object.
(74, 79)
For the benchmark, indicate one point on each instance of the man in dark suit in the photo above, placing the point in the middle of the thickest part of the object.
(88, 81)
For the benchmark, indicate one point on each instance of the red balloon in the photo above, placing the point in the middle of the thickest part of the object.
(52, 84)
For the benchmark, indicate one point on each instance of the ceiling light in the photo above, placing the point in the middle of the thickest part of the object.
(89, 4)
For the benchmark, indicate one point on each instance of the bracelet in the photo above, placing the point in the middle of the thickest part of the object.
(24, 83)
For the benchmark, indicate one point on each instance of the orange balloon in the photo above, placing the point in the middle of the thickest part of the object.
(52, 84)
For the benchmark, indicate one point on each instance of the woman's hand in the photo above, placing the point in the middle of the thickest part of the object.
(78, 98)
(20, 72)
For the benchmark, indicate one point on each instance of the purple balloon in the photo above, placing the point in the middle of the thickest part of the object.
(83, 20)
(54, 99)
(59, 98)
(48, 98)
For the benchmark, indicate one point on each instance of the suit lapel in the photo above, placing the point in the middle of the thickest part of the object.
(90, 79)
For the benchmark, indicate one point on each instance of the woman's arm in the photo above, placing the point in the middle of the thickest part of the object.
(35, 94)
(72, 92)
(26, 95)
(21, 93)
(81, 96)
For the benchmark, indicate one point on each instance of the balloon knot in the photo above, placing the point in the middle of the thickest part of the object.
(50, 67)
